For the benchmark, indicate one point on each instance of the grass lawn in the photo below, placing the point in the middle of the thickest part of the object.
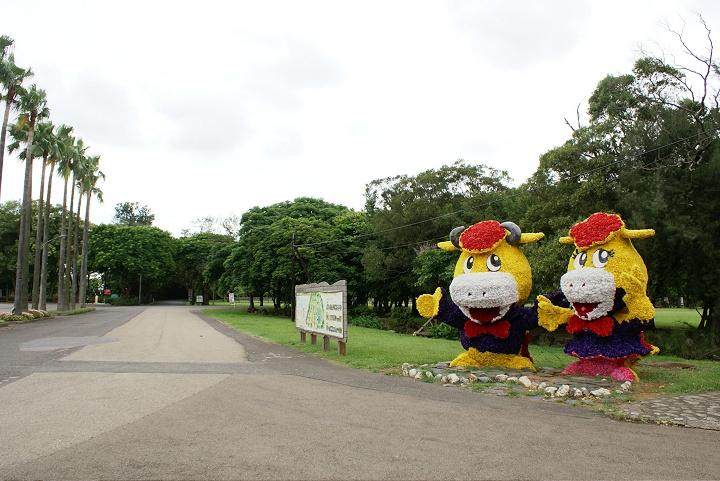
(676, 318)
(384, 351)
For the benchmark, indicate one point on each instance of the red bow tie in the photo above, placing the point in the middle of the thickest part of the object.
(602, 326)
(499, 329)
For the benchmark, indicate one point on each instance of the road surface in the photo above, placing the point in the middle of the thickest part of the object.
(161, 392)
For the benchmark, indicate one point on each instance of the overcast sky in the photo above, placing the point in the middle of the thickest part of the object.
(209, 108)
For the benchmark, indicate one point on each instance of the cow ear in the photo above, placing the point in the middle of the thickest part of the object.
(448, 246)
(530, 237)
(567, 240)
(637, 233)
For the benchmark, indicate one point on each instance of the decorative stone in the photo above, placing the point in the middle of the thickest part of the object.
(626, 386)
(542, 386)
(512, 379)
(453, 378)
(412, 372)
(501, 378)
(551, 390)
(483, 379)
(578, 393)
(429, 374)
(562, 391)
(406, 372)
(525, 381)
(418, 375)
(444, 379)
(600, 392)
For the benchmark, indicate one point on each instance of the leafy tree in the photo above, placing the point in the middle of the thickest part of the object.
(194, 255)
(133, 213)
(121, 254)
(411, 213)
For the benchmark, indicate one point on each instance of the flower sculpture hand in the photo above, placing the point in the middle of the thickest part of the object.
(606, 286)
(492, 280)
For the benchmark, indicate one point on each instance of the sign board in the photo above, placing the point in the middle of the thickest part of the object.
(322, 309)
(231, 298)
(107, 292)
(199, 299)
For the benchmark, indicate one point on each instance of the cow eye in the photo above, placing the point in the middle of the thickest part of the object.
(601, 257)
(493, 263)
(580, 259)
(469, 264)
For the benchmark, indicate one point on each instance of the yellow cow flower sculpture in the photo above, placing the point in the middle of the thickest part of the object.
(606, 286)
(492, 281)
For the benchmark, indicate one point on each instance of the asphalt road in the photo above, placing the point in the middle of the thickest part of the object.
(162, 393)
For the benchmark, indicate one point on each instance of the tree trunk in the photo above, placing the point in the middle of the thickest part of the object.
(75, 257)
(37, 267)
(46, 234)
(23, 266)
(6, 117)
(252, 304)
(84, 271)
(62, 303)
(68, 248)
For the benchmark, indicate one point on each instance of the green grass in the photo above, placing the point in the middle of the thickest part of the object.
(383, 351)
(676, 318)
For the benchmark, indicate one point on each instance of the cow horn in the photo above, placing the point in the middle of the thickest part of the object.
(513, 238)
(455, 236)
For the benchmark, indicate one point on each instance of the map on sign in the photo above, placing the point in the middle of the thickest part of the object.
(320, 312)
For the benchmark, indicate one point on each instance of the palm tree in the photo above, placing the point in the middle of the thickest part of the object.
(91, 175)
(62, 143)
(11, 77)
(33, 105)
(44, 140)
(72, 166)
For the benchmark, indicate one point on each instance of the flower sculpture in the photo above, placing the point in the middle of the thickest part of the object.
(606, 286)
(492, 280)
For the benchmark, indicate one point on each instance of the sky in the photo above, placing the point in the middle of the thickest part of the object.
(210, 108)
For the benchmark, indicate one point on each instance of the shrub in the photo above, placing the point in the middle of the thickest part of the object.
(371, 321)
(402, 320)
(684, 343)
(119, 301)
(444, 331)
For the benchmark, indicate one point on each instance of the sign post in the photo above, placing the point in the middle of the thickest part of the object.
(322, 309)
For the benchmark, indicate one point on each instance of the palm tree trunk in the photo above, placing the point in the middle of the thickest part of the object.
(42, 302)
(74, 285)
(84, 271)
(6, 117)
(68, 247)
(62, 303)
(23, 267)
(38, 239)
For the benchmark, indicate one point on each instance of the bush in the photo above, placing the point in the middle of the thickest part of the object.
(402, 320)
(372, 321)
(119, 301)
(684, 343)
(444, 331)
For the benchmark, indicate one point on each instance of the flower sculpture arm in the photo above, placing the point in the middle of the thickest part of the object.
(638, 304)
(553, 310)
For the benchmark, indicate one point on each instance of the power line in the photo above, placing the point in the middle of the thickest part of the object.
(511, 196)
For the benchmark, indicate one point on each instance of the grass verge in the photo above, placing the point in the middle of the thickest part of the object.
(384, 351)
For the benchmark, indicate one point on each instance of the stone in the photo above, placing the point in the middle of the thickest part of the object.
(578, 393)
(501, 378)
(562, 391)
(472, 378)
(453, 378)
(412, 372)
(600, 392)
(429, 374)
(525, 381)
(483, 379)
(512, 379)
(418, 375)
(551, 390)
(626, 386)
(542, 386)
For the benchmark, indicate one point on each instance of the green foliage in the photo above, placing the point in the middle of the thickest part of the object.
(444, 331)
(121, 254)
(133, 214)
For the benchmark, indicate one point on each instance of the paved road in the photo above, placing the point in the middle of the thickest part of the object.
(162, 393)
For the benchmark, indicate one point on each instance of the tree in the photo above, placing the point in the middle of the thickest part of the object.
(33, 106)
(122, 254)
(90, 178)
(193, 256)
(133, 213)
(59, 147)
(11, 78)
